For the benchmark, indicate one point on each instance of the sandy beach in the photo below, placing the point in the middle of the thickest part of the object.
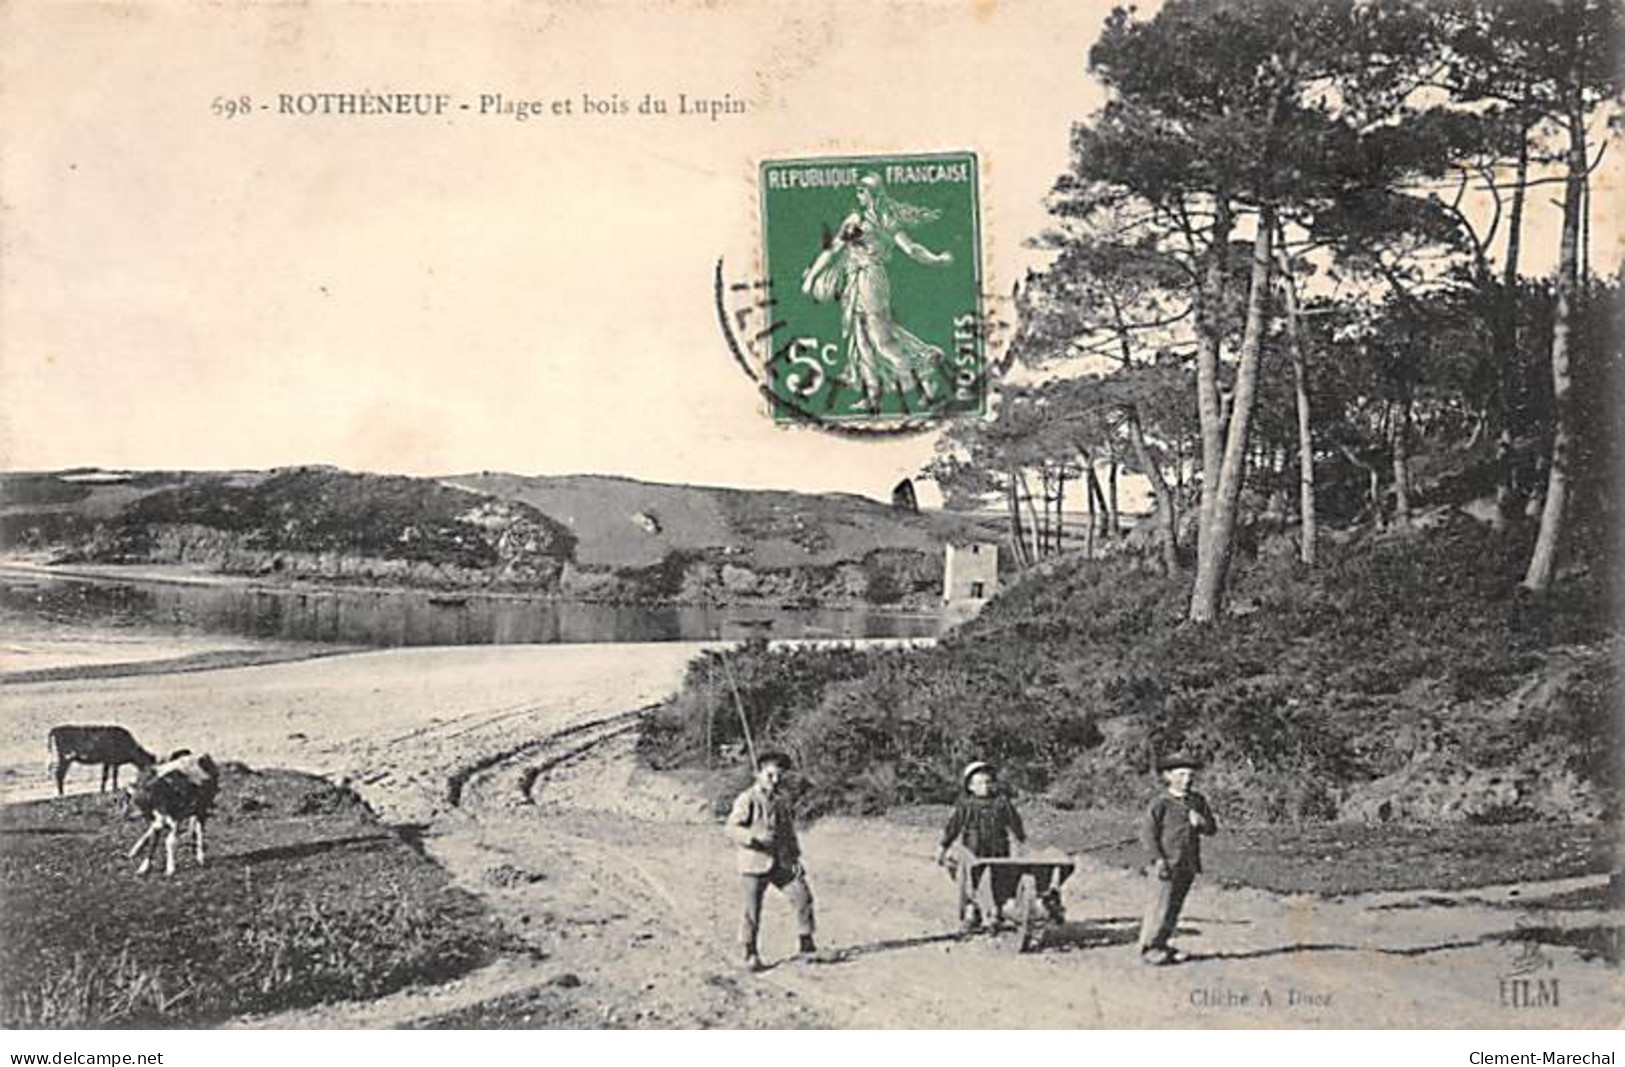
(401, 719)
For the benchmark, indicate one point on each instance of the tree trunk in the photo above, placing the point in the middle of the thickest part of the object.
(1032, 514)
(1097, 502)
(1209, 332)
(1218, 528)
(1060, 508)
(1148, 466)
(1089, 498)
(1017, 538)
(1101, 508)
(1052, 515)
(1537, 501)
(1400, 432)
(1373, 482)
(1584, 271)
(1308, 523)
(1041, 514)
(1506, 347)
(1167, 520)
(1114, 524)
(1179, 465)
(1543, 560)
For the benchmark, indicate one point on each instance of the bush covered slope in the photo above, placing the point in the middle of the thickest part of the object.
(1406, 678)
(320, 522)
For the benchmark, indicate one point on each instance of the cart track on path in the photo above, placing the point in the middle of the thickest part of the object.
(509, 775)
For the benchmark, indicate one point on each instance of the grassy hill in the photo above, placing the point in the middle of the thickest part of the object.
(646, 541)
(623, 523)
(581, 536)
(1406, 679)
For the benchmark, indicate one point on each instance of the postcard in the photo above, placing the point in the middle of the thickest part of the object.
(647, 514)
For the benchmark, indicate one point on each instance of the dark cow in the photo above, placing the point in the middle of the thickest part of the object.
(167, 794)
(111, 746)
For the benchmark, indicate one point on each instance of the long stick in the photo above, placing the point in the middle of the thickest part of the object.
(739, 704)
(1307, 517)
(1102, 846)
(710, 714)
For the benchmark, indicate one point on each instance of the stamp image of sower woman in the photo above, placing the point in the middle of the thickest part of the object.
(880, 355)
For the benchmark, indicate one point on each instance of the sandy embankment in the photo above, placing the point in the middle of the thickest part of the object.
(31, 653)
(38, 565)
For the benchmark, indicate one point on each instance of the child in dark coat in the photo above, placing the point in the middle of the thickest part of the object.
(983, 823)
(1172, 833)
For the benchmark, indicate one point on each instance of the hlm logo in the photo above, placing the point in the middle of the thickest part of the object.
(1526, 985)
(1529, 993)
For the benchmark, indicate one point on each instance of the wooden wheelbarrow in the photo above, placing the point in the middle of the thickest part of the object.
(1031, 883)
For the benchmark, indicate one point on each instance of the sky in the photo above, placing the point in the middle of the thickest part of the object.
(184, 289)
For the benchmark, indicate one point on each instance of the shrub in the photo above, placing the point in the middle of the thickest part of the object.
(663, 580)
(893, 574)
(770, 686)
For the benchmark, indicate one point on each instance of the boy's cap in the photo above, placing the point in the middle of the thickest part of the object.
(1178, 760)
(973, 767)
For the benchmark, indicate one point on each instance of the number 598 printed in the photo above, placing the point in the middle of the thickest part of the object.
(231, 107)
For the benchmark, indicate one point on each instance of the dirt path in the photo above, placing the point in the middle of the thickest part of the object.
(621, 877)
(515, 766)
(1389, 960)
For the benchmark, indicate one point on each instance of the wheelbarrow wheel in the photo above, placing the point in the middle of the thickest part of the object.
(1028, 922)
(1024, 914)
(1053, 907)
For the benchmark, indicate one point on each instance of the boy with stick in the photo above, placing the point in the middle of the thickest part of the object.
(762, 827)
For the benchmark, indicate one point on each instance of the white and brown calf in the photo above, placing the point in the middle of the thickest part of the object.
(167, 795)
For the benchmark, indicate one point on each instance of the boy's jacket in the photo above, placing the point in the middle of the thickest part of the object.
(764, 832)
(1167, 832)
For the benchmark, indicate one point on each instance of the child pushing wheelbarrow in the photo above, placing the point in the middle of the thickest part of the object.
(995, 889)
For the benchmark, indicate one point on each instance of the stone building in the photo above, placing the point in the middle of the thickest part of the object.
(970, 573)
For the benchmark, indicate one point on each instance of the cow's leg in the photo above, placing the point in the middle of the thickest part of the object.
(106, 767)
(143, 839)
(115, 767)
(169, 845)
(61, 773)
(152, 830)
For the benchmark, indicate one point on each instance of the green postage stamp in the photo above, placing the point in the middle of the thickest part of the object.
(873, 264)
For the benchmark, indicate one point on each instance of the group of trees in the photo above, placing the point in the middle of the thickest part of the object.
(1288, 260)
